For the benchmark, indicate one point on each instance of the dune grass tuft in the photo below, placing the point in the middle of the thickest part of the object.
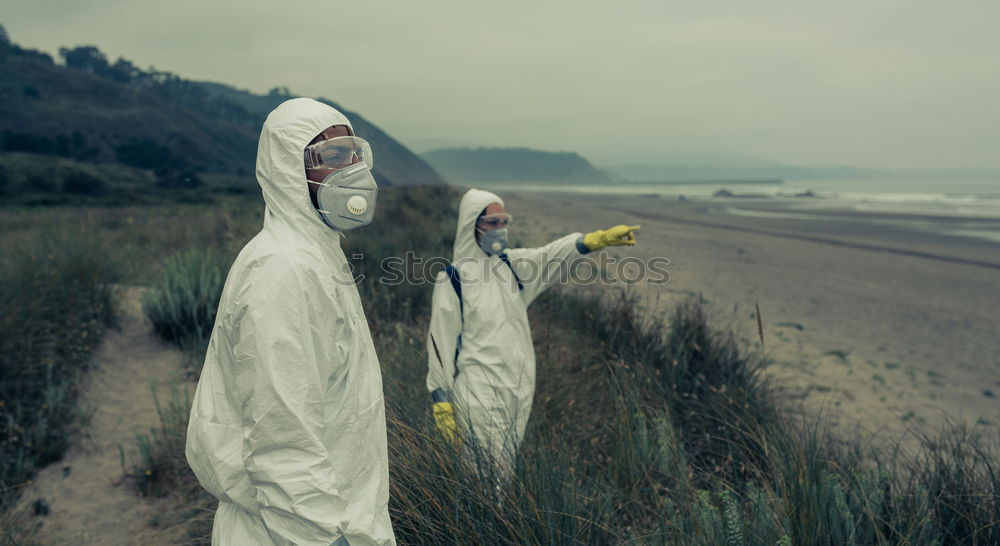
(646, 428)
(56, 299)
(182, 306)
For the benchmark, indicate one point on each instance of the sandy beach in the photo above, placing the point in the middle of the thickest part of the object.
(879, 326)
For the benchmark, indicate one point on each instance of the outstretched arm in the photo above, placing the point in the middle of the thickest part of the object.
(539, 267)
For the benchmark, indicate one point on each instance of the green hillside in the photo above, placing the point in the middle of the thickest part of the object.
(394, 163)
(181, 134)
(513, 165)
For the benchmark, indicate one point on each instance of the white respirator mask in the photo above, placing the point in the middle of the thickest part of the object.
(346, 197)
(492, 231)
(493, 241)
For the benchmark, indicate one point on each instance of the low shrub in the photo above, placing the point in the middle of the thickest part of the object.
(56, 299)
(161, 470)
(647, 429)
(183, 304)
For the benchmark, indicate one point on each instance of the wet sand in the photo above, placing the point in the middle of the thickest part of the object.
(880, 326)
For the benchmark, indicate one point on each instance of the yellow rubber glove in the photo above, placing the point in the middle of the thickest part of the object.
(616, 236)
(444, 421)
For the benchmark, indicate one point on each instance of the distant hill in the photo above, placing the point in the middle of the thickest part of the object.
(513, 165)
(93, 111)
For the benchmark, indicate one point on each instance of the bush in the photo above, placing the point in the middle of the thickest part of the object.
(36, 183)
(4, 180)
(645, 429)
(162, 470)
(170, 178)
(82, 183)
(24, 142)
(19, 526)
(182, 306)
(56, 299)
(144, 154)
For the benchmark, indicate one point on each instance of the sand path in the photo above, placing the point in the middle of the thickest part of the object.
(88, 500)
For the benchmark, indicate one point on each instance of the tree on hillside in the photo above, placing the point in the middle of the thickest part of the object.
(85, 58)
(123, 71)
(23, 142)
(4, 43)
(177, 179)
(145, 154)
(93, 60)
(83, 183)
(8, 47)
(4, 180)
(167, 85)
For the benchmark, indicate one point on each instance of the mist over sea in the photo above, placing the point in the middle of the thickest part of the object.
(962, 207)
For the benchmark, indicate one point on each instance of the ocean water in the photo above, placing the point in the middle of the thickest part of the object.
(961, 207)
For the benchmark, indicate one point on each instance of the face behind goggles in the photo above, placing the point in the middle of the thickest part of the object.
(346, 197)
(338, 152)
(494, 221)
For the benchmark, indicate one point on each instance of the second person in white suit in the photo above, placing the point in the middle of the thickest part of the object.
(481, 360)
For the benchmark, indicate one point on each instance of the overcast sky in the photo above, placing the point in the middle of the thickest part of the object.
(874, 84)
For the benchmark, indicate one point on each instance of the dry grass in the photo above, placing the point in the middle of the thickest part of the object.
(645, 429)
(56, 299)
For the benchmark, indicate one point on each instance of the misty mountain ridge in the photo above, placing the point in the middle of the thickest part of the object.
(645, 172)
(677, 165)
(698, 164)
(423, 145)
(704, 157)
(513, 165)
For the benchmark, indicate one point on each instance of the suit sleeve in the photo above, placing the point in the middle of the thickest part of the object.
(442, 336)
(538, 268)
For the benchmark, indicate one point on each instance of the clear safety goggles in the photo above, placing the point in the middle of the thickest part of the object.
(494, 221)
(339, 152)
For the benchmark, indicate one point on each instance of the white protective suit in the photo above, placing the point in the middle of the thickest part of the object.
(287, 427)
(491, 381)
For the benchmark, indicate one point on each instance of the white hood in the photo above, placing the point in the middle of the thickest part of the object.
(473, 203)
(280, 168)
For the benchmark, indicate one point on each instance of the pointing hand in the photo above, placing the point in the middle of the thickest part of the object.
(615, 236)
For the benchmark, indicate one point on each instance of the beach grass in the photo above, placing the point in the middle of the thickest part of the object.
(182, 306)
(57, 296)
(646, 428)
(653, 429)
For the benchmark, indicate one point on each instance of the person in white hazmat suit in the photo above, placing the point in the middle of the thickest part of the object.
(287, 427)
(481, 361)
